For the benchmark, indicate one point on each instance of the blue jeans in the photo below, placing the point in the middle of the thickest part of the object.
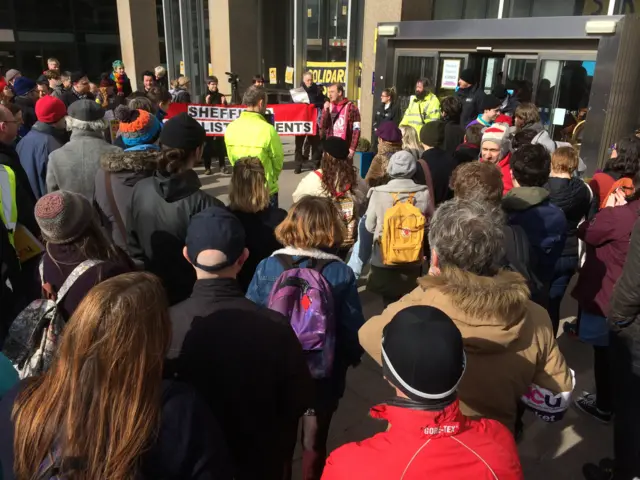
(361, 253)
(564, 270)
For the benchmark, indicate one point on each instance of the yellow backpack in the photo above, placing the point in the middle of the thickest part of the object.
(402, 232)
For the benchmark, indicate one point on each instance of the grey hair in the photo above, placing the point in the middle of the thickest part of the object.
(160, 71)
(468, 234)
(253, 95)
(92, 126)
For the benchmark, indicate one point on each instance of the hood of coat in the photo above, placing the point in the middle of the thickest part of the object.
(48, 129)
(178, 186)
(132, 161)
(523, 198)
(399, 185)
(307, 252)
(571, 195)
(385, 147)
(489, 311)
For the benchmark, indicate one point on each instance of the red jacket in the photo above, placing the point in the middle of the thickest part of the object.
(443, 445)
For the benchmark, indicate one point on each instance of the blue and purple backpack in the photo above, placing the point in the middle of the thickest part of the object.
(304, 296)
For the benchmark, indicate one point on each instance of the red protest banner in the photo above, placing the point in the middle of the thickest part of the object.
(291, 119)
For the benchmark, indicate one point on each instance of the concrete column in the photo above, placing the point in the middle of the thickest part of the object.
(139, 43)
(376, 11)
(237, 20)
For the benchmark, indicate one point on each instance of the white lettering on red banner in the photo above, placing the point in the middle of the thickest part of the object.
(288, 119)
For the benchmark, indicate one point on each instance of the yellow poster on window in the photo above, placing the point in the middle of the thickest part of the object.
(273, 75)
(288, 76)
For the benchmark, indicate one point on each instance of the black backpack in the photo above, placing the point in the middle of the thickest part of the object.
(520, 257)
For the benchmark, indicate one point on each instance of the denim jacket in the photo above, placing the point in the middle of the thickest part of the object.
(349, 317)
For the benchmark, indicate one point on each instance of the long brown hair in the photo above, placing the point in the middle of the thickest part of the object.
(248, 191)
(338, 175)
(99, 403)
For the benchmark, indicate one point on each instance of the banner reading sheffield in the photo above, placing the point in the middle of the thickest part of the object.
(289, 119)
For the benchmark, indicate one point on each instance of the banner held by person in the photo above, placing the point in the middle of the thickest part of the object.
(289, 119)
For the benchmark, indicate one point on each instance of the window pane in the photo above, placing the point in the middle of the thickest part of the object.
(448, 9)
(554, 8)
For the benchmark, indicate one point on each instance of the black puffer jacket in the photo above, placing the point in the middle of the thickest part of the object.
(160, 212)
(573, 197)
(316, 96)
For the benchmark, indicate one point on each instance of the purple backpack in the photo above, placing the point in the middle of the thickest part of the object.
(304, 296)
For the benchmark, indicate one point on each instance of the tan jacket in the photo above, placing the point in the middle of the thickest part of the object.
(511, 351)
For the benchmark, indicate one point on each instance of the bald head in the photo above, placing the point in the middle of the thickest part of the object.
(211, 258)
(8, 126)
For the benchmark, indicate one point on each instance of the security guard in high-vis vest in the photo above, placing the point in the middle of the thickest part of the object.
(424, 106)
(8, 207)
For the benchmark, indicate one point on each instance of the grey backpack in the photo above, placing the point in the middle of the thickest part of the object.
(34, 335)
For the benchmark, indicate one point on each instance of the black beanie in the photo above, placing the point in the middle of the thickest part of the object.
(183, 132)
(468, 75)
(489, 102)
(432, 133)
(423, 354)
(336, 147)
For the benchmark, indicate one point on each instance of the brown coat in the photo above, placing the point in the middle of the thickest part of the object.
(509, 343)
(377, 173)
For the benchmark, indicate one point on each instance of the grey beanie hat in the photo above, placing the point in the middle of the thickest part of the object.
(85, 110)
(402, 164)
(63, 216)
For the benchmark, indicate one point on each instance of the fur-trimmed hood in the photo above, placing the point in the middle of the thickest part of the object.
(307, 252)
(491, 308)
(133, 161)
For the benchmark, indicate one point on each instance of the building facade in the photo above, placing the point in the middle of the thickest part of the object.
(575, 59)
(83, 34)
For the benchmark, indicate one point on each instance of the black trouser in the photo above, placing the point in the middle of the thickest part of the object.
(625, 371)
(602, 374)
(213, 147)
(315, 147)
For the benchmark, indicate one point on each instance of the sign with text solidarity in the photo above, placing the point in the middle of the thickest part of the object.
(289, 120)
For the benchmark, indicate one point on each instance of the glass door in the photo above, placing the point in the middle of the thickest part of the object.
(521, 71)
(563, 92)
(410, 66)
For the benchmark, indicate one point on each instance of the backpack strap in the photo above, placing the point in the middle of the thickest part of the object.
(316, 264)
(429, 181)
(73, 276)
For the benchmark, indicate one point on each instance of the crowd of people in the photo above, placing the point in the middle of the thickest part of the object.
(149, 330)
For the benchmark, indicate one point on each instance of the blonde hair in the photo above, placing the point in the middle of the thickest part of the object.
(410, 138)
(312, 222)
(182, 81)
(565, 160)
(160, 71)
(248, 190)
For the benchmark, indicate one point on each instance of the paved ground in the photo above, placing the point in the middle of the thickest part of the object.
(548, 452)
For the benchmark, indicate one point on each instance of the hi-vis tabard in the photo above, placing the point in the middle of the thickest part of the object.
(420, 112)
(8, 207)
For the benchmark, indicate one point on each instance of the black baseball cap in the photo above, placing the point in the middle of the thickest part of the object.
(215, 229)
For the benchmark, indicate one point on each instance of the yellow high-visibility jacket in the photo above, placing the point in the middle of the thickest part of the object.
(420, 112)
